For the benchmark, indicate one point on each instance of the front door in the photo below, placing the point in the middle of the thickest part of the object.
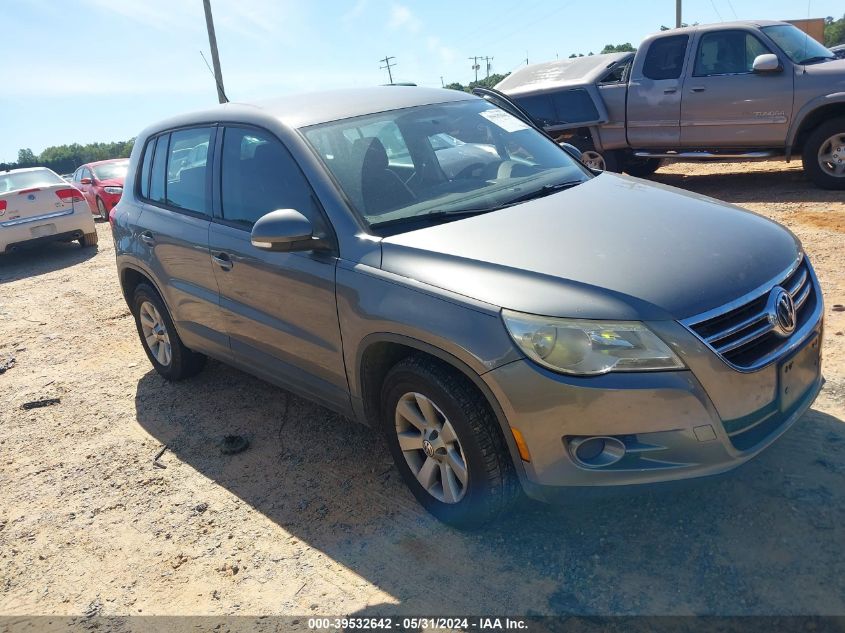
(654, 94)
(725, 103)
(280, 308)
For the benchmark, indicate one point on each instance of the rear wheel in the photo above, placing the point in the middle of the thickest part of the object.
(102, 211)
(447, 443)
(161, 342)
(88, 240)
(824, 155)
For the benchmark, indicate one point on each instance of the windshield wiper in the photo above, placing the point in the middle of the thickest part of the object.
(431, 215)
(543, 191)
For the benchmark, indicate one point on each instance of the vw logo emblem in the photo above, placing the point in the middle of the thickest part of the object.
(31, 197)
(780, 310)
(428, 448)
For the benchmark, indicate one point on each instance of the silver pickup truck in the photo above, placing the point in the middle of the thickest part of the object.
(729, 91)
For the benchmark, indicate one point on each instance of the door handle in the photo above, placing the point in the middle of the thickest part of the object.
(698, 89)
(147, 238)
(223, 260)
(670, 91)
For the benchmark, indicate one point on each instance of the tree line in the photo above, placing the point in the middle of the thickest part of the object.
(64, 159)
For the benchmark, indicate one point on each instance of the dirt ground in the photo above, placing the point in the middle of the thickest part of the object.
(313, 519)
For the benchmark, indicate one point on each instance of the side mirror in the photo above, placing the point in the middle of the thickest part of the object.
(85, 181)
(767, 63)
(573, 151)
(284, 230)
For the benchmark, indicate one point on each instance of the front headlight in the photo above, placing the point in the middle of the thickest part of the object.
(113, 189)
(588, 348)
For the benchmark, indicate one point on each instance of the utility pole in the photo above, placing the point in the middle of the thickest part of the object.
(678, 14)
(487, 62)
(442, 85)
(388, 66)
(526, 58)
(215, 57)
(475, 65)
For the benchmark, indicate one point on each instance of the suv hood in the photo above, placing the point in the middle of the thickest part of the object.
(614, 247)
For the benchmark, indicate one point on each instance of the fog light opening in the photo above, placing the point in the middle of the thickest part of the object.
(597, 451)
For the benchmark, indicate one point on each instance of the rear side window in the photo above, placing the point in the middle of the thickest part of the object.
(187, 169)
(158, 170)
(259, 176)
(727, 53)
(665, 57)
(146, 164)
(539, 107)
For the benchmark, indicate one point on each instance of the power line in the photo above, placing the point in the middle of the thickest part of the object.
(730, 4)
(388, 66)
(713, 4)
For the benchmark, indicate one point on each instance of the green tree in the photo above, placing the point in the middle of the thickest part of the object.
(26, 157)
(618, 48)
(834, 31)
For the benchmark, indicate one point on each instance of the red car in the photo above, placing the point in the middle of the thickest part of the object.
(102, 184)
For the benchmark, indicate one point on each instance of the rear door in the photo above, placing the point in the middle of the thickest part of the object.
(280, 308)
(725, 103)
(173, 230)
(654, 93)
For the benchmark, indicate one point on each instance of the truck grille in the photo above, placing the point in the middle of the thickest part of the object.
(744, 335)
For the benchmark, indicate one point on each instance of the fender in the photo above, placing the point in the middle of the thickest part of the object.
(807, 110)
(454, 362)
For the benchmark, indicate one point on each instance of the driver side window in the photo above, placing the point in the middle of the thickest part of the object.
(727, 53)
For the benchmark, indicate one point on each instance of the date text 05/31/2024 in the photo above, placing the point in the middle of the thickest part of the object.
(426, 623)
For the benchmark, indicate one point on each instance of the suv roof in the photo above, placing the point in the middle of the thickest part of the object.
(301, 110)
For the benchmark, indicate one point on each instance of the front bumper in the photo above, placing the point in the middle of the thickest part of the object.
(674, 425)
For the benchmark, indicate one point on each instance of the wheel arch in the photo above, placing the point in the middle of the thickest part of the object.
(810, 117)
(379, 352)
(131, 277)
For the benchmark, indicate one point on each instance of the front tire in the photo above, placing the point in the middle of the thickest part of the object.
(600, 161)
(161, 342)
(824, 155)
(102, 211)
(447, 443)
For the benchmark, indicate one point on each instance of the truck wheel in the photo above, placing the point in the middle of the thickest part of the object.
(824, 155)
(161, 342)
(600, 161)
(447, 443)
(641, 167)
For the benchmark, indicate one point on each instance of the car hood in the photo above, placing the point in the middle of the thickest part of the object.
(612, 248)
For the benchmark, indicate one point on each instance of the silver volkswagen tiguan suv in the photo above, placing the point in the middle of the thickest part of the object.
(433, 266)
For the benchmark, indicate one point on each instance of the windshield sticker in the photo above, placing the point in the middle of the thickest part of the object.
(502, 119)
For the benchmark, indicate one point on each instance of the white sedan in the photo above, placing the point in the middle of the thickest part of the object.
(37, 205)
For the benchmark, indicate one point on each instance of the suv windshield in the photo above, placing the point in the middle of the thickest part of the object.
(28, 180)
(798, 46)
(423, 164)
(111, 170)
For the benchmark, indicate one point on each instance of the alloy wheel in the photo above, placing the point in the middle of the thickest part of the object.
(155, 333)
(832, 156)
(431, 448)
(593, 160)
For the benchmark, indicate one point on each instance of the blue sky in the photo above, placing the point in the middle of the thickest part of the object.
(101, 70)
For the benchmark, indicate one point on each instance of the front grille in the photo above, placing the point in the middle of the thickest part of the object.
(743, 335)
